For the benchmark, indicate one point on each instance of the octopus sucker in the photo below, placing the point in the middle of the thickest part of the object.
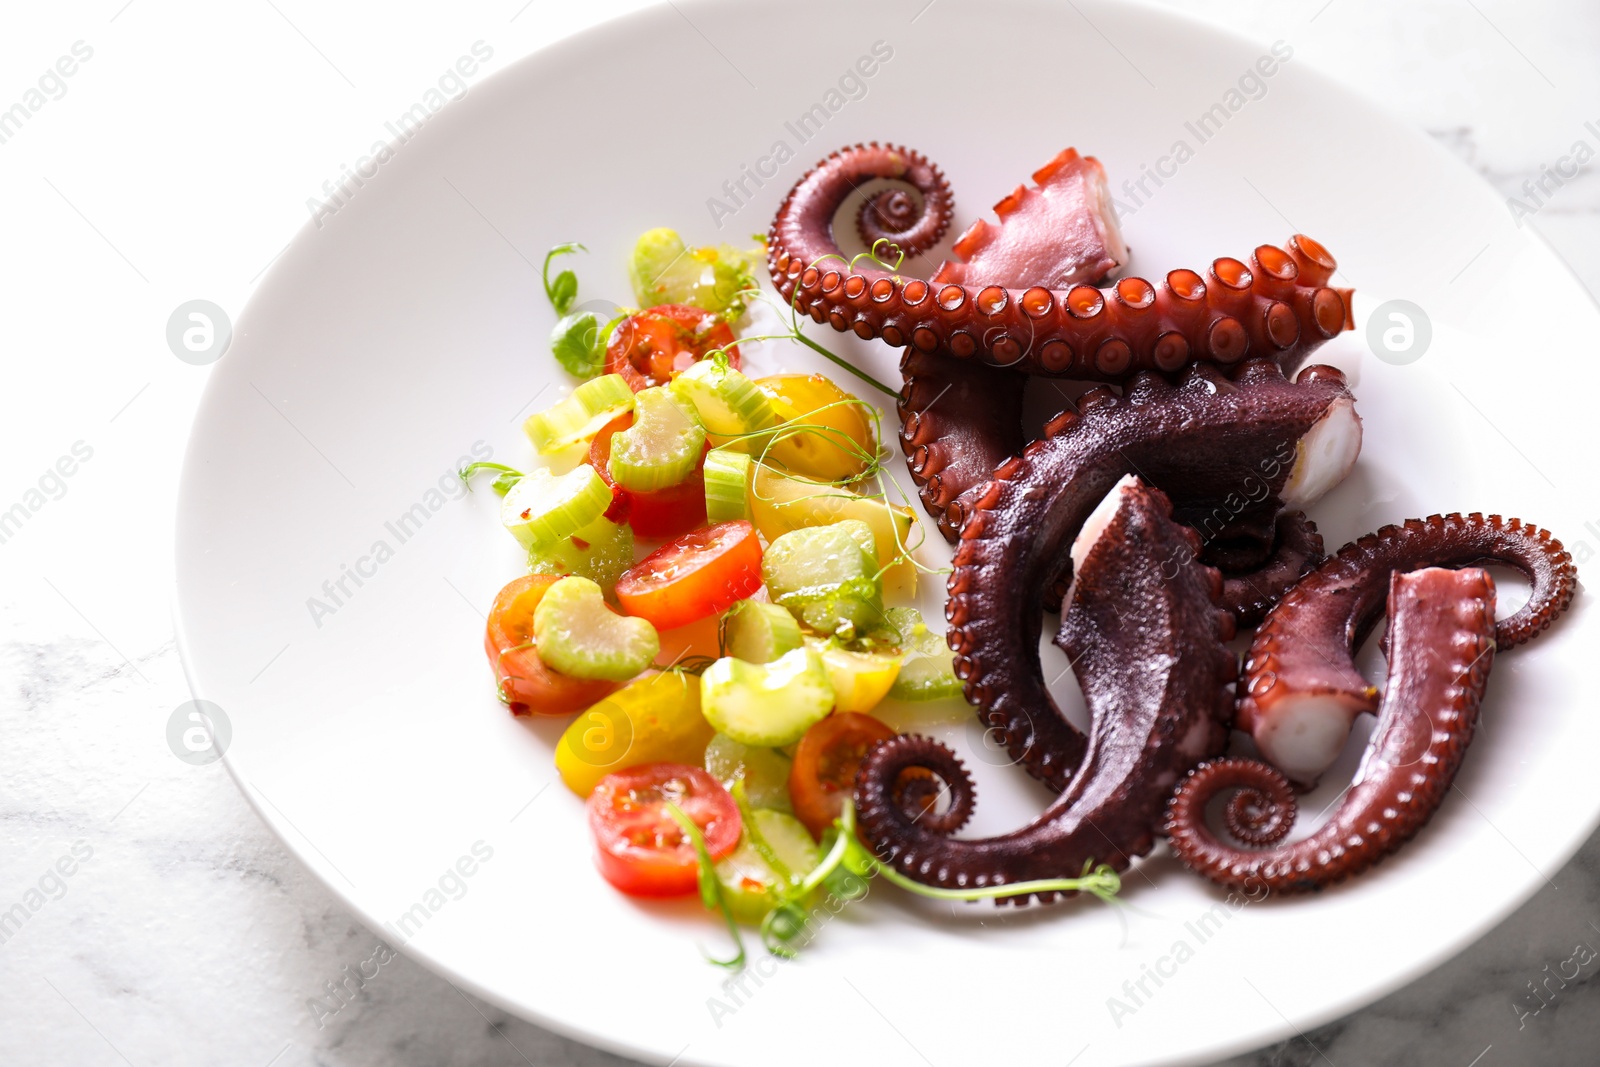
(1442, 642)
(1301, 692)
(1138, 596)
(1205, 439)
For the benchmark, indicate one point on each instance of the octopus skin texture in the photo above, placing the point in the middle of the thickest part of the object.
(1278, 303)
(1441, 645)
(1139, 598)
(954, 450)
(1301, 691)
(1062, 231)
(1254, 578)
(1250, 437)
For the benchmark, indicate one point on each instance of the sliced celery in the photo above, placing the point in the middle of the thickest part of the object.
(751, 884)
(827, 576)
(928, 670)
(543, 508)
(664, 271)
(759, 632)
(729, 404)
(577, 635)
(727, 485)
(662, 447)
(766, 703)
(600, 551)
(764, 771)
(579, 416)
(779, 503)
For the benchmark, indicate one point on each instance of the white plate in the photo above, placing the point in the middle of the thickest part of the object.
(411, 325)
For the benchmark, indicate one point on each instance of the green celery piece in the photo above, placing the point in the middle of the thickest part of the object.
(764, 771)
(928, 670)
(768, 704)
(730, 405)
(542, 508)
(826, 575)
(749, 883)
(759, 632)
(662, 270)
(577, 635)
(600, 552)
(662, 447)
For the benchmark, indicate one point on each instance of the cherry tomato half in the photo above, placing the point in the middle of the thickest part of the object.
(663, 513)
(650, 347)
(825, 765)
(694, 576)
(639, 847)
(527, 685)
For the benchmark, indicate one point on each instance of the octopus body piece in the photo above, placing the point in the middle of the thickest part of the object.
(1441, 645)
(1249, 438)
(1060, 231)
(1140, 597)
(1278, 304)
(1301, 691)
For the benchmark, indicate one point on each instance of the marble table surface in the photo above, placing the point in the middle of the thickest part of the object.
(172, 164)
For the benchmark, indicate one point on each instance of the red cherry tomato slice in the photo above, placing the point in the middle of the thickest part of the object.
(650, 347)
(639, 847)
(526, 684)
(825, 765)
(663, 513)
(694, 576)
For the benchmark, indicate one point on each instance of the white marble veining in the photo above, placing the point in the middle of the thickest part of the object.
(165, 925)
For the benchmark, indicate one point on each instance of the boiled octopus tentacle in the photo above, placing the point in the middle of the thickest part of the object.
(1441, 645)
(1139, 596)
(1301, 691)
(1206, 438)
(978, 426)
(1278, 304)
(1249, 592)
(803, 227)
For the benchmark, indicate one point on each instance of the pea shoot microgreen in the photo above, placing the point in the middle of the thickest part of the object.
(752, 831)
(847, 866)
(564, 290)
(508, 476)
(579, 342)
(710, 887)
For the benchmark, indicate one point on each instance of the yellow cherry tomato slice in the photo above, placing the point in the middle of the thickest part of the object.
(840, 443)
(653, 720)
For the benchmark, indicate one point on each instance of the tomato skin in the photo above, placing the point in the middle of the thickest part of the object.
(694, 576)
(654, 719)
(526, 683)
(663, 513)
(825, 765)
(639, 848)
(844, 438)
(650, 347)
